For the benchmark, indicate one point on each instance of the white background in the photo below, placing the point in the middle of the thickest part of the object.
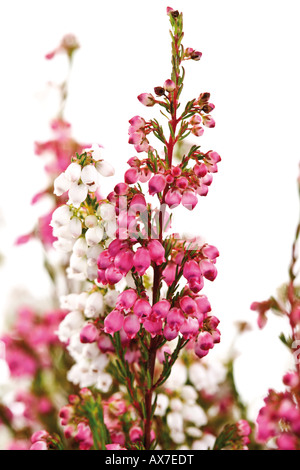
(250, 65)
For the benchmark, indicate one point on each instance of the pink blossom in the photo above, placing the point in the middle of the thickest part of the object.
(161, 308)
(39, 445)
(124, 261)
(142, 308)
(157, 184)
(208, 269)
(153, 326)
(105, 345)
(131, 325)
(173, 198)
(113, 322)
(141, 260)
(190, 327)
(131, 176)
(208, 121)
(104, 260)
(286, 441)
(113, 275)
(175, 318)
(114, 447)
(170, 333)
(210, 251)
(147, 99)
(189, 200)
(126, 299)
(169, 273)
(135, 433)
(137, 122)
(156, 251)
(169, 85)
(138, 203)
(39, 435)
(89, 333)
(200, 169)
(188, 305)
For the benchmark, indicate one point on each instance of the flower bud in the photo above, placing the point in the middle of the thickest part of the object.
(77, 194)
(169, 85)
(88, 334)
(157, 184)
(131, 325)
(113, 322)
(104, 168)
(147, 99)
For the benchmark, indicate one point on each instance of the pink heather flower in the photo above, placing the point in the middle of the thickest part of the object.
(65, 414)
(208, 121)
(199, 351)
(208, 269)
(243, 427)
(138, 203)
(124, 261)
(104, 260)
(135, 433)
(169, 273)
(188, 305)
(131, 325)
(157, 184)
(142, 308)
(126, 299)
(198, 131)
(210, 251)
(190, 328)
(137, 122)
(105, 345)
(261, 308)
(136, 138)
(189, 200)
(156, 251)
(286, 441)
(114, 447)
(291, 379)
(161, 308)
(141, 260)
(170, 333)
(89, 333)
(175, 318)
(182, 182)
(200, 169)
(169, 85)
(113, 275)
(39, 435)
(173, 198)
(154, 327)
(115, 246)
(39, 445)
(131, 176)
(191, 269)
(161, 353)
(205, 340)
(147, 99)
(202, 190)
(113, 322)
(121, 189)
(84, 436)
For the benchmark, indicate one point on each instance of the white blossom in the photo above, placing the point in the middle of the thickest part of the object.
(73, 172)
(77, 194)
(94, 305)
(94, 235)
(61, 184)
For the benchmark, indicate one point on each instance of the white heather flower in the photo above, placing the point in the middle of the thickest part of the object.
(111, 227)
(193, 431)
(63, 232)
(175, 421)
(104, 168)
(72, 323)
(106, 211)
(61, 184)
(68, 302)
(94, 305)
(91, 221)
(81, 301)
(61, 216)
(104, 382)
(80, 247)
(90, 177)
(76, 275)
(77, 264)
(207, 441)
(189, 394)
(96, 151)
(73, 172)
(161, 404)
(75, 227)
(110, 298)
(94, 235)
(195, 414)
(77, 194)
(92, 254)
(178, 376)
(63, 245)
(176, 404)
(91, 272)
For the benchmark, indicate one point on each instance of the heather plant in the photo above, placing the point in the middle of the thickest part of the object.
(127, 349)
(144, 305)
(278, 420)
